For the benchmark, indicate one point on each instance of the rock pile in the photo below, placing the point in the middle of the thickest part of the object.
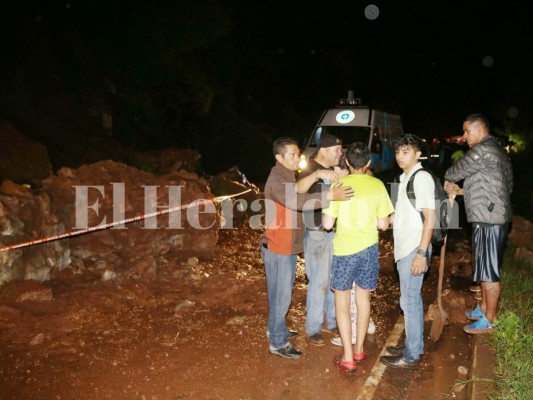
(103, 193)
(116, 192)
(24, 216)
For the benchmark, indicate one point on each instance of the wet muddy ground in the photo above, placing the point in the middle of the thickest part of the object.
(198, 332)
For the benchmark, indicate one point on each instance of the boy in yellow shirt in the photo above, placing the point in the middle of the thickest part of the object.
(355, 250)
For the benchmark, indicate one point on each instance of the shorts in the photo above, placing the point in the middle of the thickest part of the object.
(361, 268)
(488, 245)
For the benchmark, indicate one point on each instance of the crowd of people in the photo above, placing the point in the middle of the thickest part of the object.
(333, 212)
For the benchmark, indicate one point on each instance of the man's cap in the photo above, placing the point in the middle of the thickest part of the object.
(328, 141)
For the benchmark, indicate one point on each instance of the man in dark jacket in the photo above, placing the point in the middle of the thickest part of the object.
(282, 240)
(488, 183)
(318, 244)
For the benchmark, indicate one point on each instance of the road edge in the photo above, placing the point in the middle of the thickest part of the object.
(481, 375)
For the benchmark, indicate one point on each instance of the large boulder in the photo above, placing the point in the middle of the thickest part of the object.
(108, 192)
(26, 216)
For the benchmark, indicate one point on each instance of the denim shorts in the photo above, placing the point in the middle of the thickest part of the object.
(361, 268)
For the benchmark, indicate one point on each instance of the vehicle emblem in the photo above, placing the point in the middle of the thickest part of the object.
(345, 117)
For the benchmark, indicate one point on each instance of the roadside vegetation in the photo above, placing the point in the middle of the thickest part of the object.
(513, 340)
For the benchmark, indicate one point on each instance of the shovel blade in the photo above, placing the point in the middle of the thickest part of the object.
(437, 326)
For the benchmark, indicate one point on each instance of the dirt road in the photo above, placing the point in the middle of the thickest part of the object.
(198, 332)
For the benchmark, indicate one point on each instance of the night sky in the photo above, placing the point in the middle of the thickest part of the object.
(227, 77)
(432, 61)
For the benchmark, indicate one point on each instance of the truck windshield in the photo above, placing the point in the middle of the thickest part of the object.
(348, 134)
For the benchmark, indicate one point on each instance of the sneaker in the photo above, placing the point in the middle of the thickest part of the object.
(291, 334)
(371, 327)
(338, 342)
(317, 339)
(289, 351)
(474, 314)
(334, 331)
(482, 325)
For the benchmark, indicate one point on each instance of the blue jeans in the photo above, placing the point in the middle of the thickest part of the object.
(412, 306)
(318, 249)
(280, 272)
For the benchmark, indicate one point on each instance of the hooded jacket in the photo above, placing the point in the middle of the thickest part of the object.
(488, 182)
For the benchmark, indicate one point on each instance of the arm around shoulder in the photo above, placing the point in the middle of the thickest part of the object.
(303, 184)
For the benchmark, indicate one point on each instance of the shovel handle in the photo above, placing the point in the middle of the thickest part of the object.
(441, 273)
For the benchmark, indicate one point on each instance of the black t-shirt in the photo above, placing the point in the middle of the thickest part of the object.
(313, 219)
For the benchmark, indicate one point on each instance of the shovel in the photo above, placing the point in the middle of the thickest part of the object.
(439, 316)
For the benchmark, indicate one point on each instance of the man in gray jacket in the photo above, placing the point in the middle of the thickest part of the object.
(488, 183)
